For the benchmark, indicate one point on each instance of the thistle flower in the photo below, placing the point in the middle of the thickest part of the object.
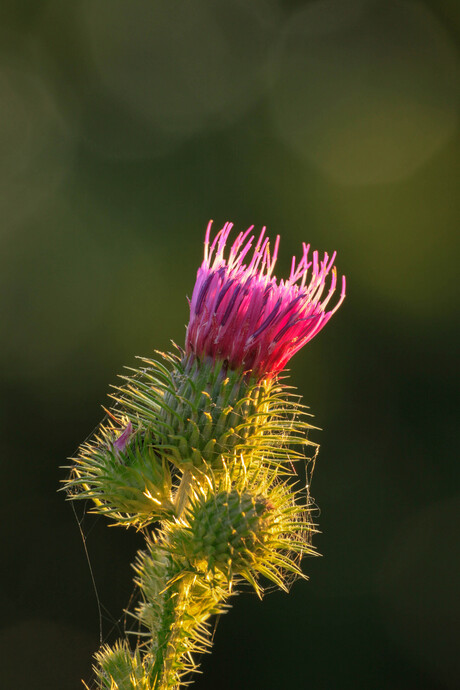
(200, 447)
(241, 314)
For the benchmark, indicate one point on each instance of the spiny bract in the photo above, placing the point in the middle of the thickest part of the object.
(246, 523)
(203, 414)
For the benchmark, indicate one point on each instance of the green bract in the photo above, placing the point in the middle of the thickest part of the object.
(203, 415)
(227, 531)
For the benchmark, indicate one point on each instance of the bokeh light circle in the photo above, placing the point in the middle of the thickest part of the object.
(366, 92)
(180, 67)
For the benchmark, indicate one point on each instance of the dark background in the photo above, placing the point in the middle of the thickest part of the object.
(124, 127)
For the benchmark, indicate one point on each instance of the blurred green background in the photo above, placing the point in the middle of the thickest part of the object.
(125, 126)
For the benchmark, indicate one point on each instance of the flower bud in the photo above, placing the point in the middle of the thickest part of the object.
(243, 531)
(123, 475)
(228, 530)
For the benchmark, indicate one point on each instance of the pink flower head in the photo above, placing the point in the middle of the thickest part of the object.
(240, 313)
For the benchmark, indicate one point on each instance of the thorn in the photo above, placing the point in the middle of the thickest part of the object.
(109, 413)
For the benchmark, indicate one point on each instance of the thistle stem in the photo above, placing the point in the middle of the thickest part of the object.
(166, 653)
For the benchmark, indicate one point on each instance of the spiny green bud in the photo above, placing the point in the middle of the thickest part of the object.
(203, 415)
(244, 530)
(123, 474)
(227, 531)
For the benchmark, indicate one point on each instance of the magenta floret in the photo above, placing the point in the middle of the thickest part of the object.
(240, 313)
(120, 443)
